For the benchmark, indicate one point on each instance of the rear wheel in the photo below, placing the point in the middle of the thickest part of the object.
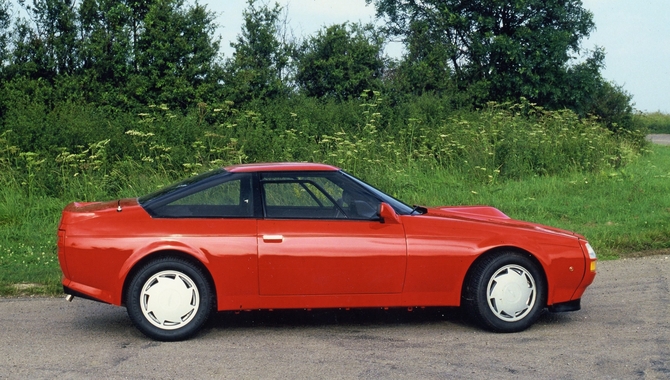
(505, 292)
(169, 299)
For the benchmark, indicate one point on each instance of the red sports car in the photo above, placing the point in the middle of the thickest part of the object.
(301, 235)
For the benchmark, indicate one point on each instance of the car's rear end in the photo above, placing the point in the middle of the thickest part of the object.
(89, 249)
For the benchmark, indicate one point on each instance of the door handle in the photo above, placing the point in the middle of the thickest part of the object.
(273, 238)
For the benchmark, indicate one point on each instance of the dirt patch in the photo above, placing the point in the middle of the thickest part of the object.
(660, 139)
(26, 286)
(653, 252)
(24, 289)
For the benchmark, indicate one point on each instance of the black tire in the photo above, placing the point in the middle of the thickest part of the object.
(169, 299)
(505, 292)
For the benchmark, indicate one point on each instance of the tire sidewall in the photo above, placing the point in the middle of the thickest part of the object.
(134, 308)
(479, 283)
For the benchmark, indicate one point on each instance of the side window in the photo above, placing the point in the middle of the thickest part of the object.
(329, 187)
(358, 205)
(297, 194)
(318, 196)
(229, 199)
(225, 194)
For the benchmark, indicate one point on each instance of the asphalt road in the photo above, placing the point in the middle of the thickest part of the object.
(622, 332)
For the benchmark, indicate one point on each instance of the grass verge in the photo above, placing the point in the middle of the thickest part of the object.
(621, 211)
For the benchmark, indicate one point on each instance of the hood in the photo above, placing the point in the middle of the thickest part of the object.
(492, 215)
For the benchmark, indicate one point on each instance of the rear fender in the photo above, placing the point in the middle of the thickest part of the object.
(147, 251)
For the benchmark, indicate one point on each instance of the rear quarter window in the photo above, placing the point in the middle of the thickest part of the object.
(230, 198)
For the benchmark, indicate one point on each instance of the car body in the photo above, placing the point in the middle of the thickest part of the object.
(304, 235)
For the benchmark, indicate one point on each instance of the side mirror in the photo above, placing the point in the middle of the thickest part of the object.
(387, 214)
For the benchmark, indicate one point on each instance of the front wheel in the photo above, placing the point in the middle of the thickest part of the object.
(169, 299)
(505, 292)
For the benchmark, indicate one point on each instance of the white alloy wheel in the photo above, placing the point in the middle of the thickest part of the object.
(511, 293)
(169, 300)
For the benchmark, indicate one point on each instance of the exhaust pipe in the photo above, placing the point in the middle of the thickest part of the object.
(69, 297)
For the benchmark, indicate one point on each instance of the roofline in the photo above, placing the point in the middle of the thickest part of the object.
(280, 167)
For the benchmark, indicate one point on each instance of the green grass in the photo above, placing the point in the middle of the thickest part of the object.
(518, 157)
(621, 211)
(28, 260)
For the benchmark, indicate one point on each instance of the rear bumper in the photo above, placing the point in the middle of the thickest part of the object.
(83, 291)
(75, 293)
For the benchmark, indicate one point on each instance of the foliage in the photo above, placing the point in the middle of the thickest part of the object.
(502, 141)
(123, 55)
(341, 61)
(4, 31)
(258, 68)
(612, 104)
(604, 205)
(108, 43)
(585, 91)
(425, 67)
(119, 53)
(50, 44)
(498, 50)
(175, 54)
(654, 122)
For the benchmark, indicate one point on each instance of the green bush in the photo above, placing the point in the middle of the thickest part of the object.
(655, 122)
(75, 150)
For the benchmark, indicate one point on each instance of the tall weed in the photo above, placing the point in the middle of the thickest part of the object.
(505, 155)
(366, 137)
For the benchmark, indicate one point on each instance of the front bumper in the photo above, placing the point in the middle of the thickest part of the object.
(561, 307)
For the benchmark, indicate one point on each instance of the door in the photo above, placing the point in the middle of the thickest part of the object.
(321, 236)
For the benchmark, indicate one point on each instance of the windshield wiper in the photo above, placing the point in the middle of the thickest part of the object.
(419, 209)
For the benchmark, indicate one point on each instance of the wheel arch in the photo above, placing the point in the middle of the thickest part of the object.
(500, 250)
(165, 254)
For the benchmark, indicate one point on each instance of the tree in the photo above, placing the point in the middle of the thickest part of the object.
(5, 22)
(505, 49)
(106, 49)
(260, 61)
(585, 91)
(123, 53)
(425, 66)
(613, 105)
(138, 10)
(341, 61)
(50, 48)
(175, 53)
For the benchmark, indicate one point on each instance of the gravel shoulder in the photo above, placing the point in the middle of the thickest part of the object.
(622, 331)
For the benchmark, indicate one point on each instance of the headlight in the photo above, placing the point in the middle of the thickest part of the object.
(592, 253)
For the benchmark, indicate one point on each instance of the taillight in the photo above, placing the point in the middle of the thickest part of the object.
(592, 256)
(61, 237)
(61, 251)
